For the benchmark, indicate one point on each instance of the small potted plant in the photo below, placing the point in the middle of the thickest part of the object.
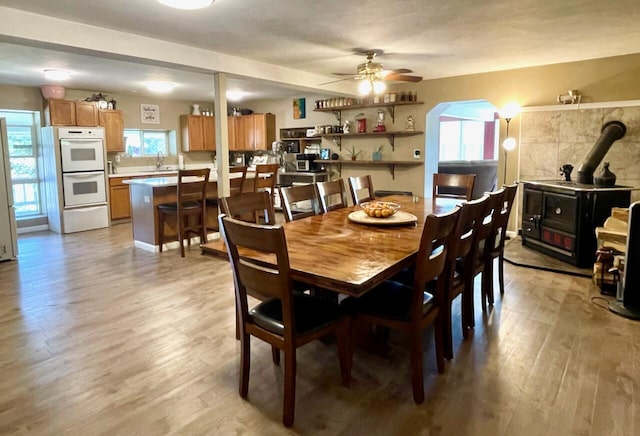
(353, 153)
(377, 155)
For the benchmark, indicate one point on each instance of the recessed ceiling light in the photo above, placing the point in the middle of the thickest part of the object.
(160, 86)
(56, 75)
(186, 4)
(235, 95)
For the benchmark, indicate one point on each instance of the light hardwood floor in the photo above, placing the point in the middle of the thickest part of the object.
(97, 337)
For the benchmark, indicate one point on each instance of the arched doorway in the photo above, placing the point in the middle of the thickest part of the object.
(462, 136)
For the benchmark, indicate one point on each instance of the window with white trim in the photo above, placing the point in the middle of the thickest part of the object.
(145, 143)
(461, 140)
(22, 128)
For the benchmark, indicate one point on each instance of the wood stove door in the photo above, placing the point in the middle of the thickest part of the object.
(560, 212)
(532, 213)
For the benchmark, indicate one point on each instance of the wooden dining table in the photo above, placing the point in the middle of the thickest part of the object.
(332, 252)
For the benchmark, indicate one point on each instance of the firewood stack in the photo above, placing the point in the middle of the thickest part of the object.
(612, 242)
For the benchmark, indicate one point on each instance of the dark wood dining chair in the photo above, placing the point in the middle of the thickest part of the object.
(285, 320)
(189, 209)
(494, 248)
(482, 232)
(458, 273)
(254, 207)
(453, 185)
(332, 195)
(358, 184)
(265, 178)
(292, 196)
(235, 183)
(411, 309)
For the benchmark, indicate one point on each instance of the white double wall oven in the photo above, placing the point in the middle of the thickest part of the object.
(75, 178)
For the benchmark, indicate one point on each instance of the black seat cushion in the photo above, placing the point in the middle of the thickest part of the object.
(310, 314)
(174, 206)
(390, 300)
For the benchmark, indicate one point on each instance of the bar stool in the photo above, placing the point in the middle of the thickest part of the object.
(191, 202)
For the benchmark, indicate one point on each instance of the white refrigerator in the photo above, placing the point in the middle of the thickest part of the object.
(8, 232)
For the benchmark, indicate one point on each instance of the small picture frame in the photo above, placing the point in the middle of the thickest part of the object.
(325, 153)
(149, 113)
(299, 108)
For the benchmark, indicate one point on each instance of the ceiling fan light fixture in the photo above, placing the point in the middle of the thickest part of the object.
(56, 75)
(187, 4)
(379, 87)
(365, 87)
(160, 87)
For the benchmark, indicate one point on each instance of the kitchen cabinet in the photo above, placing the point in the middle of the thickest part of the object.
(113, 123)
(71, 113)
(119, 204)
(252, 132)
(198, 132)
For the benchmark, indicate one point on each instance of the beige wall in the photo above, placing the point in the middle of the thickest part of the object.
(599, 80)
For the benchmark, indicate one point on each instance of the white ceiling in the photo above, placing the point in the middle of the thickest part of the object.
(276, 48)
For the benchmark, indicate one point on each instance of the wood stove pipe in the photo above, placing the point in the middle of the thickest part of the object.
(611, 132)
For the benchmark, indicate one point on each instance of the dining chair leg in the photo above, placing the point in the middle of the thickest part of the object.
(501, 272)
(438, 331)
(180, 225)
(345, 351)
(488, 284)
(245, 364)
(161, 229)
(467, 309)
(275, 355)
(417, 376)
(289, 403)
(447, 330)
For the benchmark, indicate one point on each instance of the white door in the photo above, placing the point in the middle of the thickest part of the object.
(82, 155)
(8, 234)
(82, 189)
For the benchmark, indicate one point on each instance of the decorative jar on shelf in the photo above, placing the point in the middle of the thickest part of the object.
(196, 109)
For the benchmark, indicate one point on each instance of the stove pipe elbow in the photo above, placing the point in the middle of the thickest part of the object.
(611, 132)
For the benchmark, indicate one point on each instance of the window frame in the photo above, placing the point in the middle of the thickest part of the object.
(141, 136)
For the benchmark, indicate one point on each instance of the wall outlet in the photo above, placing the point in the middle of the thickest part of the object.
(117, 158)
(417, 153)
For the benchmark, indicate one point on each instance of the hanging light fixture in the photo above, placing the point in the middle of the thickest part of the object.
(509, 143)
(56, 75)
(186, 4)
(371, 83)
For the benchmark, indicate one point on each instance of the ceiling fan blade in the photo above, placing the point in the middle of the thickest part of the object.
(398, 71)
(400, 78)
(343, 74)
(335, 81)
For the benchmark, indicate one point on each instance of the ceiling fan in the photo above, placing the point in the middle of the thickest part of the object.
(372, 73)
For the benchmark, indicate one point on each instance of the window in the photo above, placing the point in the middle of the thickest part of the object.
(23, 159)
(461, 140)
(146, 142)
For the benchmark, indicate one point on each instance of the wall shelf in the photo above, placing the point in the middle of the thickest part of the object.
(390, 163)
(337, 137)
(337, 110)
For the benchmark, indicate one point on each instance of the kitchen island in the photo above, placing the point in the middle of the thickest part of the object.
(147, 193)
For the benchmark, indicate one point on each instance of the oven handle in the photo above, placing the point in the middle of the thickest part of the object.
(82, 175)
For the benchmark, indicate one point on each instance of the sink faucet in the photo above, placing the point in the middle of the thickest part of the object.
(159, 161)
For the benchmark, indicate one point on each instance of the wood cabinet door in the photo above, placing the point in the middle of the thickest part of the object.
(120, 206)
(60, 113)
(231, 128)
(209, 133)
(264, 131)
(113, 123)
(192, 132)
(86, 113)
(247, 132)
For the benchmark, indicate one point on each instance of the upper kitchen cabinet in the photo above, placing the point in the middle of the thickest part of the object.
(71, 113)
(113, 123)
(252, 132)
(198, 132)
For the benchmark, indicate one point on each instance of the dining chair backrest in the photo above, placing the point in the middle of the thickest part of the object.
(249, 207)
(272, 280)
(485, 224)
(192, 185)
(470, 213)
(236, 183)
(293, 196)
(437, 237)
(453, 185)
(328, 192)
(358, 184)
(496, 240)
(265, 177)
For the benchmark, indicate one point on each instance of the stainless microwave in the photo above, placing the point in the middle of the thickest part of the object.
(303, 165)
